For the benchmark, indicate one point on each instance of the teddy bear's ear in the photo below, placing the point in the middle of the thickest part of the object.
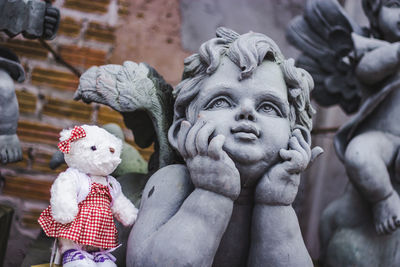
(65, 134)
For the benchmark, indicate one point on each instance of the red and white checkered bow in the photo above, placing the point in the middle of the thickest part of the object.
(77, 132)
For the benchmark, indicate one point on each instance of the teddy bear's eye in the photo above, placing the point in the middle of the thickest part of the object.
(93, 148)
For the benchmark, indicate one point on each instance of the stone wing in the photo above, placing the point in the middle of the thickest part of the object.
(141, 95)
(323, 35)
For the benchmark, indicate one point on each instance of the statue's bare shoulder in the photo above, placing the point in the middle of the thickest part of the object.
(168, 186)
(162, 197)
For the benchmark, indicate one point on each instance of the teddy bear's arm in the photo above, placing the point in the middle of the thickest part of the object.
(63, 201)
(124, 210)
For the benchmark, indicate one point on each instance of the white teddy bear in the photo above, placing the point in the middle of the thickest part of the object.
(85, 198)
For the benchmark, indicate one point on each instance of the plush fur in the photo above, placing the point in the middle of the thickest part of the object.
(96, 155)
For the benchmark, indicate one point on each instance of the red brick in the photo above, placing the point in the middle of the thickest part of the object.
(26, 48)
(35, 132)
(100, 32)
(68, 109)
(123, 7)
(26, 102)
(35, 161)
(29, 218)
(108, 115)
(82, 56)
(93, 6)
(55, 79)
(70, 27)
(27, 187)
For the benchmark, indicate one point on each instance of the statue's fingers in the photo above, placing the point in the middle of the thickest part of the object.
(51, 11)
(183, 131)
(386, 227)
(315, 152)
(51, 20)
(48, 32)
(378, 229)
(215, 147)
(49, 26)
(190, 143)
(396, 221)
(202, 138)
(19, 153)
(285, 154)
(3, 156)
(300, 138)
(391, 225)
(295, 145)
(12, 155)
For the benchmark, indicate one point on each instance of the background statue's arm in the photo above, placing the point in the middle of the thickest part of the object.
(32, 18)
(177, 226)
(10, 149)
(378, 64)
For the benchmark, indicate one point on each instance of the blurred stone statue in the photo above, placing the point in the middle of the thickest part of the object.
(34, 19)
(229, 169)
(358, 69)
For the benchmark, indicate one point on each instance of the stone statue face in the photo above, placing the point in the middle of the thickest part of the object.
(252, 113)
(389, 20)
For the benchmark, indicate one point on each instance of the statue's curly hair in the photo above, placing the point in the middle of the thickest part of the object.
(371, 9)
(247, 51)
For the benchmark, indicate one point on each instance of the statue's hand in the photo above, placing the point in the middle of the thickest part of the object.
(280, 184)
(209, 165)
(10, 149)
(51, 22)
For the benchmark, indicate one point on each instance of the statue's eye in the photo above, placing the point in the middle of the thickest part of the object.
(93, 148)
(221, 102)
(270, 109)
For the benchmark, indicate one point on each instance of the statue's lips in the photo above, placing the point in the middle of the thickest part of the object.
(245, 132)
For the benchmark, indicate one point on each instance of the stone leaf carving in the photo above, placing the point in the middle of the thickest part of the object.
(140, 94)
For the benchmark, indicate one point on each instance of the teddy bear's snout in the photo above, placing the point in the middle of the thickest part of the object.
(112, 150)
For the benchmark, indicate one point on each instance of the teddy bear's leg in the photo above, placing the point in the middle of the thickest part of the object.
(73, 255)
(66, 244)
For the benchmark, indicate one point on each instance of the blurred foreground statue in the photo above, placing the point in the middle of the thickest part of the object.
(231, 143)
(34, 19)
(358, 69)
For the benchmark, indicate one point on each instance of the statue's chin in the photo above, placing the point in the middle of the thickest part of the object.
(251, 173)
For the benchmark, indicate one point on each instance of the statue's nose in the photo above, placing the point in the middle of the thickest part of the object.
(246, 112)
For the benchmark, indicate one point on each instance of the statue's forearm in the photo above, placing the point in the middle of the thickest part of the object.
(21, 16)
(378, 64)
(192, 235)
(276, 238)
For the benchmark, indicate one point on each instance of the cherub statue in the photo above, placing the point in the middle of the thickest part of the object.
(358, 69)
(241, 123)
(34, 19)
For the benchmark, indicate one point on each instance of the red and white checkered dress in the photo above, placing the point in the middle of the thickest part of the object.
(94, 225)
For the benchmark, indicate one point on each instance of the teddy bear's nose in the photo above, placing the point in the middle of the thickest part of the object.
(112, 150)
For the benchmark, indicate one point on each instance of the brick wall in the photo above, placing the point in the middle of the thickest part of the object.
(90, 33)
